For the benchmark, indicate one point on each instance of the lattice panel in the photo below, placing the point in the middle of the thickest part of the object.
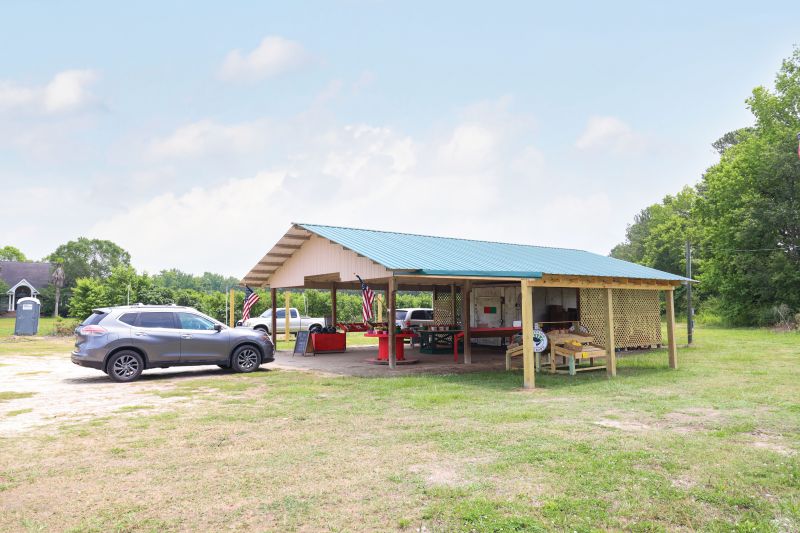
(637, 316)
(443, 306)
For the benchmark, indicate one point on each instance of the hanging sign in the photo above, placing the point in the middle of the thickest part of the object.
(539, 340)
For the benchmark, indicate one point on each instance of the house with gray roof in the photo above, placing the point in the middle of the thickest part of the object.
(24, 279)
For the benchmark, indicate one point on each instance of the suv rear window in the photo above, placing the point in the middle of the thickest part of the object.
(400, 315)
(128, 318)
(157, 320)
(422, 314)
(94, 318)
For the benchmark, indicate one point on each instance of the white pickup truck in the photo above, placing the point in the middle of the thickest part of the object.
(296, 322)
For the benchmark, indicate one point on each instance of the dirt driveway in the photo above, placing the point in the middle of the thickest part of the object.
(46, 390)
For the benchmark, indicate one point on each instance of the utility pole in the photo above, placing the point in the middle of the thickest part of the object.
(689, 310)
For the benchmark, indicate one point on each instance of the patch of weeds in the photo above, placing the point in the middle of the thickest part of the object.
(646, 527)
(7, 481)
(121, 518)
(734, 429)
(791, 474)
(33, 525)
(483, 514)
(33, 373)
(98, 422)
(155, 442)
(576, 512)
(12, 395)
(132, 408)
(18, 412)
(726, 496)
(117, 451)
(231, 415)
(289, 509)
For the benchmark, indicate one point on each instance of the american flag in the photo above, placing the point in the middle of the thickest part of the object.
(367, 299)
(250, 299)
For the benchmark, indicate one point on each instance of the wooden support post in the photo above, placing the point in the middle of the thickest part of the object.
(333, 304)
(391, 291)
(672, 348)
(453, 303)
(231, 318)
(528, 379)
(379, 299)
(611, 356)
(465, 320)
(273, 328)
(287, 302)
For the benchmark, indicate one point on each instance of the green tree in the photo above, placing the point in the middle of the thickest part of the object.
(88, 294)
(89, 258)
(749, 208)
(10, 253)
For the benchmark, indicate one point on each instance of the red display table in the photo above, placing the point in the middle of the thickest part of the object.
(329, 342)
(383, 348)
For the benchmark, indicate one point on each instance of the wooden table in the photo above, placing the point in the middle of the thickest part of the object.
(560, 347)
(438, 341)
(484, 333)
(383, 347)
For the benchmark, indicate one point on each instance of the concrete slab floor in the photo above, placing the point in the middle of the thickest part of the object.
(353, 362)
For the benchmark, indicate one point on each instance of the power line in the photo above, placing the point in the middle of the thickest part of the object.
(754, 249)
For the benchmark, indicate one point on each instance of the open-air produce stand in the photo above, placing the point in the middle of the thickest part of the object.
(483, 288)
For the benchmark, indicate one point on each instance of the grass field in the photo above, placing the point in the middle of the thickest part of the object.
(45, 326)
(712, 446)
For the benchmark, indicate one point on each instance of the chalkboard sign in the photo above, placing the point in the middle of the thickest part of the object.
(301, 343)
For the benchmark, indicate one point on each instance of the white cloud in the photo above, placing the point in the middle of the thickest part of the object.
(67, 91)
(470, 146)
(275, 55)
(358, 175)
(207, 137)
(13, 96)
(203, 226)
(610, 133)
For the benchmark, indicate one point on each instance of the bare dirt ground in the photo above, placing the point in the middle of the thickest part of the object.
(56, 391)
(60, 392)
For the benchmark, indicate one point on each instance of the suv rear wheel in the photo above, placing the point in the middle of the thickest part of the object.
(125, 366)
(245, 359)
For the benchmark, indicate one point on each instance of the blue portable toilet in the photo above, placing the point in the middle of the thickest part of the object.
(27, 322)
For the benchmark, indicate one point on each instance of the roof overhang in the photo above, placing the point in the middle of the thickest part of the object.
(291, 241)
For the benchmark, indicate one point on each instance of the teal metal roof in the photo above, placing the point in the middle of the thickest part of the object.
(443, 256)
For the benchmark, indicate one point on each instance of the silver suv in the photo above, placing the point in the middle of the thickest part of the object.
(123, 341)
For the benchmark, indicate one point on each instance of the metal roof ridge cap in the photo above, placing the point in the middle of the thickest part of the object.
(303, 225)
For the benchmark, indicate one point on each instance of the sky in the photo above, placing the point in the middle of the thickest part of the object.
(194, 133)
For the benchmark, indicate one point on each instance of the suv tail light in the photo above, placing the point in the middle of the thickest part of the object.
(93, 331)
(408, 323)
